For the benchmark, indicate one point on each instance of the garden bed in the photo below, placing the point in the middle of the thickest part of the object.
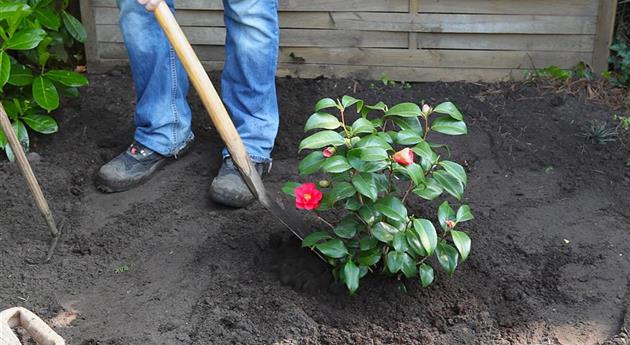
(163, 265)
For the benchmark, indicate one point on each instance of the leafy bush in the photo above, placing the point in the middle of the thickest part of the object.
(371, 173)
(35, 37)
(620, 63)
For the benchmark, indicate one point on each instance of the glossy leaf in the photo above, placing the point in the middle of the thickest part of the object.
(373, 154)
(408, 137)
(351, 274)
(368, 214)
(325, 103)
(413, 241)
(395, 260)
(74, 27)
(464, 214)
(348, 101)
(341, 191)
(67, 78)
(462, 243)
(25, 39)
(314, 238)
(452, 185)
(445, 212)
(321, 120)
(364, 184)
(456, 170)
(333, 248)
(404, 110)
(289, 188)
(311, 163)
(45, 93)
(447, 257)
(392, 207)
(5, 68)
(20, 75)
(362, 125)
(321, 139)
(41, 123)
(347, 228)
(427, 234)
(48, 17)
(369, 257)
(336, 164)
(429, 190)
(449, 126)
(449, 108)
(409, 268)
(384, 232)
(426, 275)
(400, 242)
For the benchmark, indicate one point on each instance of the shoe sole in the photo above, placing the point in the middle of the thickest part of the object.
(113, 187)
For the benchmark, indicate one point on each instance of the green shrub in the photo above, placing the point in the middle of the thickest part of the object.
(372, 167)
(36, 36)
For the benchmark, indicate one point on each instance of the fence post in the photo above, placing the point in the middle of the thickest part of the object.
(604, 34)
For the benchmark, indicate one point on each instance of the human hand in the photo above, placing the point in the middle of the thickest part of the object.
(150, 5)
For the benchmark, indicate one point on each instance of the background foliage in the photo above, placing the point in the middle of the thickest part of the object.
(36, 37)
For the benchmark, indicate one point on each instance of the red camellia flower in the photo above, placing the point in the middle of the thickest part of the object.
(307, 196)
(404, 156)
(329, 151)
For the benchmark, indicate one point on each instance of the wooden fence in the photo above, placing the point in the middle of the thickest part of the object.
(413, 40)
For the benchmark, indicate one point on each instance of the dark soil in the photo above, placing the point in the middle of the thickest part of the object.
(551, 238)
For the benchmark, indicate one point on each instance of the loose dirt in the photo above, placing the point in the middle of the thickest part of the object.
(163, 265)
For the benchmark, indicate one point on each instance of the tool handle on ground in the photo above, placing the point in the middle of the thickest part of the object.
(208, 94)
(26, 170)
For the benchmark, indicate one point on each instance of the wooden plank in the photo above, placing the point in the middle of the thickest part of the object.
(543, 7)
(465, 23)
(310, 20)
(575, 43)
(91, 45)
(604, 35)
(394, 57)
(288, 37)
(293, 5)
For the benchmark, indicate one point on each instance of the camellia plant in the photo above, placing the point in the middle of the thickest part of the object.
(373, 169)
(35, 37)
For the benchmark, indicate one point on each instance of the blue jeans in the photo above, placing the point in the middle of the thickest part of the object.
(163, 116)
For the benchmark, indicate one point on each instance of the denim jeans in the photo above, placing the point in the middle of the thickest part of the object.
(163, 116)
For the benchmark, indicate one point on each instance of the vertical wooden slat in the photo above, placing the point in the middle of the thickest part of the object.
(413, 36)
(91, 45)
(604, 34)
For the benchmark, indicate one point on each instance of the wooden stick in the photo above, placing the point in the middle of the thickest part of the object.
(32, 324)
(31, 181)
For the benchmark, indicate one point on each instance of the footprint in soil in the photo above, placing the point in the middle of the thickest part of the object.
(299, 268)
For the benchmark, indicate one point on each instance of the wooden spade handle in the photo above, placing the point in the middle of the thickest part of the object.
(208, 94)
(26, 170)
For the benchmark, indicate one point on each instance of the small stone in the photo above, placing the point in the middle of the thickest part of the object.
(33, 157)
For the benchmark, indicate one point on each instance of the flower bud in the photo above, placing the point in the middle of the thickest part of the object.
(324, 183)
(329, 151)
(426, 109)
(450, 224)
(404, 157)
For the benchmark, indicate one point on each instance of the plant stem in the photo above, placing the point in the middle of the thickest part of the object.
(408, 191)
(325, 222)
(343, 123)
(426, 127)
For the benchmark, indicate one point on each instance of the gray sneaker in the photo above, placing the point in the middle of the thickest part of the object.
(228, 187)
(133, 167)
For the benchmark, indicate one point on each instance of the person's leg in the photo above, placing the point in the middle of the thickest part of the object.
(162, 117)
(248, 84)
(248, 89)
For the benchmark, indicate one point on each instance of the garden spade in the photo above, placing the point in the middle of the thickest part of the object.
(31, 181)
(220, 118)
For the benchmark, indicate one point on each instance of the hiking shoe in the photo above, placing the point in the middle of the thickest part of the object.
(133, 167)
(229, 189)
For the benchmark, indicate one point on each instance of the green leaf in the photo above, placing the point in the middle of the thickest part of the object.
(20, 75)
(449, 109)
(423, 149)
(354, 158)
(445, 212)
(392, 207)
(25, 39)
(447, 257)
(367, 243)
(45, 93)
(395, 260)
(67, 78)
(409, 266)
(348, 101)
(384, 232)
(464, 214)
(400, 242)
(347, 228)
(362, 125)
(325, 103)
(455, 170)
(314, 238)
(413, 240)
(321, 139)
(427, 234)
(336, 165)
(426, 275)
(378, 106)
(351, 274)
(321, 121)
(449, 126)
(364, 184)
(451, 184)
(341, 191)
(404, 110)
(48, 17)
(409, 123)
(74, 27)
(311, 163)
(353, 204)
(429, 191)
(289, 188)
(462, 243)
(369, 257)
(368, 214)
(333, 248)
(374, 140)
(415, 173)
(5, 68)
(373, 154)
(408, 137)
(41, 123)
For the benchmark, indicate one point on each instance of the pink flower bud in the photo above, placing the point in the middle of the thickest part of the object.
(329, 152)
(404, 157)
